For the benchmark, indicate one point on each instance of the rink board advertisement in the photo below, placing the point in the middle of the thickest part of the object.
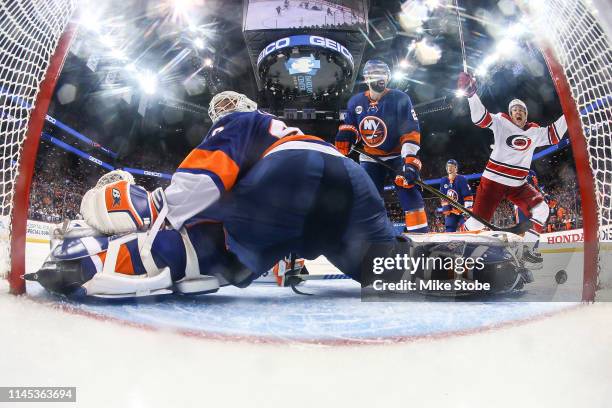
(37, 231)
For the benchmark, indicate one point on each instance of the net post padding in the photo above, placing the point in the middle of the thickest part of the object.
(28, 159)
(584, 175)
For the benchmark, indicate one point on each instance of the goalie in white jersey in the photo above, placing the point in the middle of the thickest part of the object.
(505, 174)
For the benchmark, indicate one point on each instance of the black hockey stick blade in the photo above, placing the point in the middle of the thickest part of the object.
(517, 229)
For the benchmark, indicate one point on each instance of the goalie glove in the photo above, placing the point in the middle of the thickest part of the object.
(467, 84)
(121, 207)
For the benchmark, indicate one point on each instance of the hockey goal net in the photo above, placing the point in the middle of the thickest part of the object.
(576, 43)
(575, 37)
(33, 45)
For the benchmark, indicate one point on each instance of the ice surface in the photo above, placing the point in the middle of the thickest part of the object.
(561, 359)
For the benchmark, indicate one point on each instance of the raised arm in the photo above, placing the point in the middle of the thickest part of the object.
(551, 134)
(480, 115)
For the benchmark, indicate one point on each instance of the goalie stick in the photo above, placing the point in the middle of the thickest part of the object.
(516, 229)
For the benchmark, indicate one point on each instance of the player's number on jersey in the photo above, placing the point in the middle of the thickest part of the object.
(279, 129)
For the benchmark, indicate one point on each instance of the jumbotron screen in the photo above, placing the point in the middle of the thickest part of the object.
(287, 14)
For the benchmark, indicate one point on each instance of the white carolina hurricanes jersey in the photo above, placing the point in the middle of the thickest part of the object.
(513, 147)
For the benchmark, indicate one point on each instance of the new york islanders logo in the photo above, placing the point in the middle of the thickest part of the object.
(373, 130)
(518, 142)
(116, 197)
(452, 194)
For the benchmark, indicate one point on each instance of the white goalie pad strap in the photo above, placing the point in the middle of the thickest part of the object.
(192, 267)
(145, 248)
(109, 282)
(92, 245)
(119, 284)
(147, 257)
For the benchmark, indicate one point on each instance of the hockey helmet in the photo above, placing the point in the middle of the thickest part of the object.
(453, 162)
(375, 70)
(227, 102)
(517, 102)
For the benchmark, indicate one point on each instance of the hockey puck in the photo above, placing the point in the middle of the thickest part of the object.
(561, 277)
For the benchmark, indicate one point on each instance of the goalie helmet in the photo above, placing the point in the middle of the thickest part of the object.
(227, 102)
(375, 71)
(517, 102)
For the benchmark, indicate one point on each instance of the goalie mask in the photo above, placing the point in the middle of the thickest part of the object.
(376, 74)
(228, 102)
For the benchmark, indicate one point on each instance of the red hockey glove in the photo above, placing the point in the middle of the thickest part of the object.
(467, 84)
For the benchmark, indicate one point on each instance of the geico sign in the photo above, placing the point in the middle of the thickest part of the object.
(152, 173)
(93, 159)
(312, 40)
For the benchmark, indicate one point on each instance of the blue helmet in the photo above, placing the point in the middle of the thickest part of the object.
(453, 161)
(375, 70)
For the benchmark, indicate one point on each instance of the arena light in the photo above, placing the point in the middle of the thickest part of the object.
(107, 40)
(131, 67)
(459, 93)
(198, 43)
(427, 54)
(148, 82)
(404, 63)
(118, 54)
(481, 71)
(490, 60)
(90, 21)
(208, 62)
(181, 7)
(516, 31)
(507, 47)
(432, 4)
(398, 75)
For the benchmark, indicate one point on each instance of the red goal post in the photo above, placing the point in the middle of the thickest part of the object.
(575, 37)
(576, 43)
(34, 41)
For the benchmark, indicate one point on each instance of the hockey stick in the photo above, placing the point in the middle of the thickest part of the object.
(294, 280)
(461, 37)
(516, 229)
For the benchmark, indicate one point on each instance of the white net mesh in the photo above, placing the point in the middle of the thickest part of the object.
(29, 34)
(579, 33)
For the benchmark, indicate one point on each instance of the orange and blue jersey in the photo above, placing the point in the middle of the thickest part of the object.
(388, 127)
(459, 190)
(233, 145)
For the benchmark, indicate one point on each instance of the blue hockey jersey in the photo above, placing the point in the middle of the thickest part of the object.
(459, 190)
(388, 127)
(233, 145)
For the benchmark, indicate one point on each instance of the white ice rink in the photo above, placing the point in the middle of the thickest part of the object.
(265, 346)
